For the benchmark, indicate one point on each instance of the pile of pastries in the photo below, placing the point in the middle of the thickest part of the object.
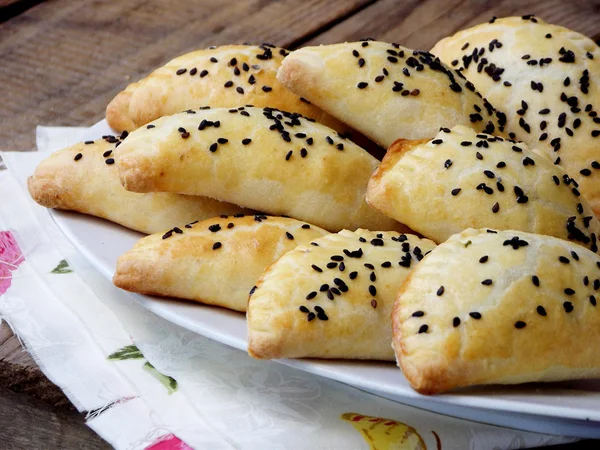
(468, 255)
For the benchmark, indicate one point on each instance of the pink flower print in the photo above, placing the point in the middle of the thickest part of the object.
(169, 442)
(10, 258)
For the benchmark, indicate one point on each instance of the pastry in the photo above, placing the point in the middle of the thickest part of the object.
(462, 179)
(333, 298)
(216, 261)
(386, 91)
(272, 161)
(544, 78)
(226, 77)
(84, 178)
(489, 307)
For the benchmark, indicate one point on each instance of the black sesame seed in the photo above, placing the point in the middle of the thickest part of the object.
(369, 266)
(316, 268)
(568, 306)
(574, 255)
(440, 291)
(228, 84)
(483, 259)
(495, 208)
(168, 234)
(311, 295)
(109, 161)
(418, 314)
(289, 155)
(455, 322)
(475, 315)
(372, 290)
(78, 156)
(479, 156)
(222, 141)
(353, 275)
(362, 85)
(455, 192)
(486, 282)
(181, 71)
(564, 259)
(569, 291)
(489, 174)
(423, 329)
(310, 316)
(324, 287)
(239, 90)
(519, 324)
(593, 300)
(216, 245)
(437, 141)
(246, 141)
(267, 88)
(535, 280)
(213, 147)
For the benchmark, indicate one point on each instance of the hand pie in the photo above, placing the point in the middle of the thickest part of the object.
(333, 298)
(226, 77)
(545, 79)
(461, 179)
(386, 91)
(216, 261)
(272, 161)
(84, 178)
(505, 307)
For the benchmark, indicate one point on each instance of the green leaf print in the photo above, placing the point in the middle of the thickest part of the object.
(63, 267)
(127, 352)
(168, 382)
(132, 352)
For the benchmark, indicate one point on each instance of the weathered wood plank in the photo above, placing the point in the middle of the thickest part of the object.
(29, 424)
(420, 24)
(63, 61)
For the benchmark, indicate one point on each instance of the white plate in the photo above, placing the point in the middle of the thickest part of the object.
(569, 409)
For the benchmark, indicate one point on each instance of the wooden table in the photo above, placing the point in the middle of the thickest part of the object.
(61, 62)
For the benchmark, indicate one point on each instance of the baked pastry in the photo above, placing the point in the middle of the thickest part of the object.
(226, 77)
(463, 179)
(216, 261)
(507, 307)
(545, 79)
(386, 91)
(84, 178)
(272, 161)
(333, 298)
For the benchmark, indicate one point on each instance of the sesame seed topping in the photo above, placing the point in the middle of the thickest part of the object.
(418, 314)
(289, 235)
(487, 282)
(362, 85)
(593, 300)
(310, 316)
(455, 191)
(440, 291)
(109, 161)
(564, 259)
(495, 208)
(423, 329)
(535, 280)
(267, 88)
(372, 290)
(568, 306)
(181, 71)
(519, 324)
(455, 322)
(228, 84)
(216, 245)
(475, 315)
(78, 156)
(316, 268)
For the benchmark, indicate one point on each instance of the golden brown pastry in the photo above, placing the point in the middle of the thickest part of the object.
(84, 178)
(226, 77)
(275, 162)
(544, 78)
(216, 261)
(333, 298)
(386, 91)
(463, 179)
(506, 307)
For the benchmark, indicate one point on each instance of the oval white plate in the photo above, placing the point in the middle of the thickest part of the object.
(570, 409)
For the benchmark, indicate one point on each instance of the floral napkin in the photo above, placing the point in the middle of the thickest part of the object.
(148, 384)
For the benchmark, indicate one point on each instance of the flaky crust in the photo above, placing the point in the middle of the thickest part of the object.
(463, 179)
(164, 92)
(416, 97)
(545, 81)
(462, 319)
(343, 317)
(91, 186)
(274, 163)
(216, 261)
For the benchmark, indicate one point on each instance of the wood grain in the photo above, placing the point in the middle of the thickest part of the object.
(420, 24)
(63, 61)
(29, 424)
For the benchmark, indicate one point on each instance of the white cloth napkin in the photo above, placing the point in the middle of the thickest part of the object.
(146, 383)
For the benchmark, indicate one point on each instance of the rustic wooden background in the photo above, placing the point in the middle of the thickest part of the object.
(62, 61)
